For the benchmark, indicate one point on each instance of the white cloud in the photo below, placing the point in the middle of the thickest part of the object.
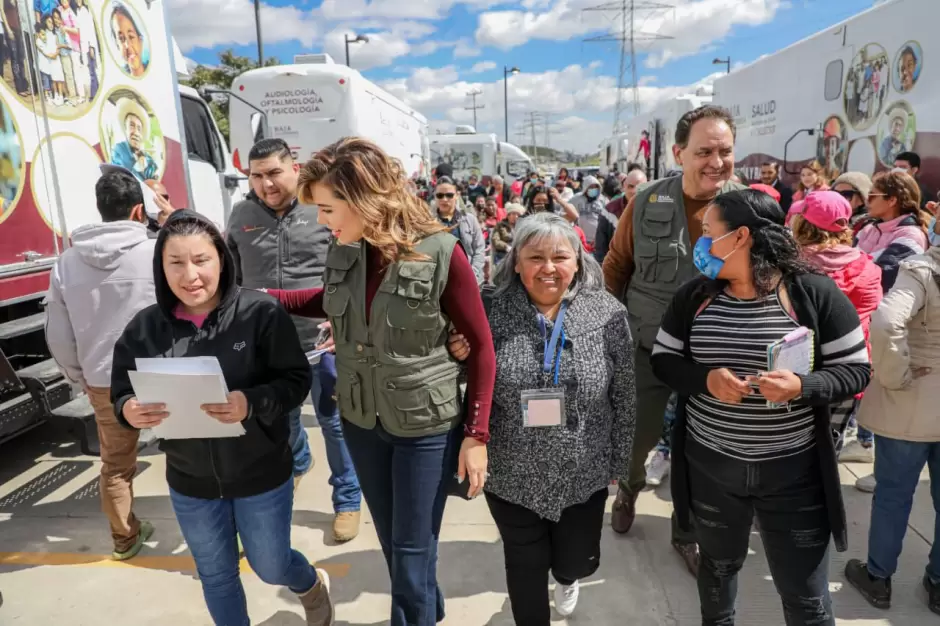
(579, 102)
(465, 49)
(692, 24)
(210, 23)
(384, 47)
(482, 66)
(394, 9)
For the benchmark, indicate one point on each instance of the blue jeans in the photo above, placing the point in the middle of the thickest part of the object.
(263, 523)
(898, 465)
(346, 493)
(863, 436)
(404, 481)
(669, 418)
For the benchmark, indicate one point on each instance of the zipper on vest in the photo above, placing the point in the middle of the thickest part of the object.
(280, 254)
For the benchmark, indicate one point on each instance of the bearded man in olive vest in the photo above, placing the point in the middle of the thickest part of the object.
(649, 258)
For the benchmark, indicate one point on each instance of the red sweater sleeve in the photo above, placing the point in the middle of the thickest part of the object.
(302, 302)
(462, 303)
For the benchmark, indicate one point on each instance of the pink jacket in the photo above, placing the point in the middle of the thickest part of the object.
(891, 242)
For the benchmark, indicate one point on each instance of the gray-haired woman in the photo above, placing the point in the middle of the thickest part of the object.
(562, 422)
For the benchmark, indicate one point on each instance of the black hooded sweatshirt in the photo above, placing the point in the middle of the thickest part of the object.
(257, 346)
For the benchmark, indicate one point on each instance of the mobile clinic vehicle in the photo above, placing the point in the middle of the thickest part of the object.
(311, 105)
(869, 88)
(116, 103)
(657, 129)
(480, 154)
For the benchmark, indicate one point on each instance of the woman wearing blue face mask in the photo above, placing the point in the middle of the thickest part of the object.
(746, 441)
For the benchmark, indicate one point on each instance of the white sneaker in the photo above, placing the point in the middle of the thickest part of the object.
(657, 469)
(866, 483)
(854, 452)
(566, 598)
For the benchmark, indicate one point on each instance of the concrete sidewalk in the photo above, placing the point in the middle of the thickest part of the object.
(54, 567)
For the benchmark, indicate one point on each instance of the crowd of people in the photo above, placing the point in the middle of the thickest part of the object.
(533, 345)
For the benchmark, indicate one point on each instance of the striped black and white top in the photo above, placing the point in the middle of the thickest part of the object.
(734, 334)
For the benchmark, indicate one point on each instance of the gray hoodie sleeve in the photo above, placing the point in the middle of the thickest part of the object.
(478, 253)
(60, 337)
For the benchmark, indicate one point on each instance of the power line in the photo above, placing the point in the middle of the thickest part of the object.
(627, 35)
(473, 93)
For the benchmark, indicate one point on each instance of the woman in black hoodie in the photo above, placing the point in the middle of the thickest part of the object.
(225, 487)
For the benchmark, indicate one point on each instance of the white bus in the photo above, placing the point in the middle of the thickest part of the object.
(852, 96)
(312, 105)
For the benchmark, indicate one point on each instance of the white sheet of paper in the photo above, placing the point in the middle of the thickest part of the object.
(795, 356)
(314, 355)
(183, 365)
(183, 394)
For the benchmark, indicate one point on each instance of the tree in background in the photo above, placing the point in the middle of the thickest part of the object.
(230, 67)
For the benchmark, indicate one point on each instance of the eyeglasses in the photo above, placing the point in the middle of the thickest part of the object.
(876, 195)
(539, 205)
(441, 196)
(848, 194)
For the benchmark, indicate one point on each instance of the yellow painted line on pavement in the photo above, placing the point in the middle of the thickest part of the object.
(165, 563)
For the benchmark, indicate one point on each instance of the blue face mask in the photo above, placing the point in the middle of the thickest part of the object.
(707, 263)
(593, 193)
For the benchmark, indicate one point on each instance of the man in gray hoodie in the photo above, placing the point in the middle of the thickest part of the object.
(97, 286)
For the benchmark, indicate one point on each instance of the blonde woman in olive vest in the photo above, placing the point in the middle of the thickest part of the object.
(395, 281)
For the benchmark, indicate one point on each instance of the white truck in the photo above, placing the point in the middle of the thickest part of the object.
(116, 100)
(480, 154)
(311, 105)
(851, 96)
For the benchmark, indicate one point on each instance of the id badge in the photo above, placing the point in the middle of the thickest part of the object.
(543, 407)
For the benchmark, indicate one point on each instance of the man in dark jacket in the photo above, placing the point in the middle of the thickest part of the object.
(607, 224)
(910, 162)
(277, 244)
(770, 175)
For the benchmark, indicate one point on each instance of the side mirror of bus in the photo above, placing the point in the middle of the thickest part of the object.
(259, 127)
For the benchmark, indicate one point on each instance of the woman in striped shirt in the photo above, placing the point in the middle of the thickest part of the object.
(734, 456)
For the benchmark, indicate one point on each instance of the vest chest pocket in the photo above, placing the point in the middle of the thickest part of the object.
(335, 304)
(656, 246)
(413, 317)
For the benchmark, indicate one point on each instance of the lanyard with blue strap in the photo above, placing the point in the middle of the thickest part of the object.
(546, 406)
(554, 345)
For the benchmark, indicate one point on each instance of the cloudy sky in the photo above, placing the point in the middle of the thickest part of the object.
(431, 53)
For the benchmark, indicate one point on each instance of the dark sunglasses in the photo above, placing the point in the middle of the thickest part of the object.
(441, 196)
(848, 194)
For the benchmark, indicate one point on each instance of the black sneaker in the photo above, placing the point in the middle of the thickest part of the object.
(933, 594)
(876, 590)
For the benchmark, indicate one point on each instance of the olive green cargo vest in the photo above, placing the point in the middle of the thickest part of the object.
(396, 367)
(662, 254)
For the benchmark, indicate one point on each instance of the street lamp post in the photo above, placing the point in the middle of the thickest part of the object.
(726, 62)
(506, 72)
(356, 39)
(258, 33)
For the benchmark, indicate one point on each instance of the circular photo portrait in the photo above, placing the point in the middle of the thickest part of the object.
(896, 132)
(862, 156)
(127, 37)
(131, 135)
(12, 166)
(866, 86)
(908, 63)
(832, 144)
(67, 70)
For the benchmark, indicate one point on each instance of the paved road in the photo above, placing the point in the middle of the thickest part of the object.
(54, 568)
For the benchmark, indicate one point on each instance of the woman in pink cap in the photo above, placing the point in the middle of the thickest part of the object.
(821, 225)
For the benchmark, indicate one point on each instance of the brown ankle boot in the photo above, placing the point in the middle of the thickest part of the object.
(317, 603)
(623, 511)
